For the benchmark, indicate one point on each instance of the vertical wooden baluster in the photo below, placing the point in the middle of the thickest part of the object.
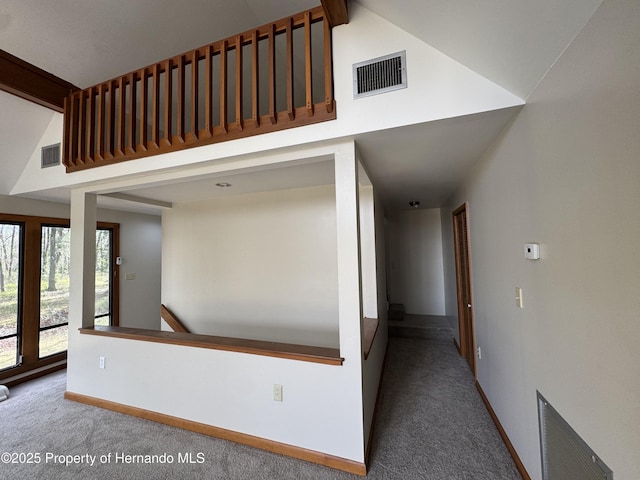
(194, 96)
(82, 129)
(223, 86)
(110, 135)
(130, 147)
(239, 93)
(180, 113)
(208, 94)
(168, 102)
(272, 74)
(290, 108)
(328, 68)
(73, 130)
(255, 114)
(91, 134)
(155, 108)
(101, 124)
(120, 137)
(144, 106)
(308, 62)
(66, 136)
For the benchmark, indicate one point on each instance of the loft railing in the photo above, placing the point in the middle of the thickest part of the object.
(275, 77)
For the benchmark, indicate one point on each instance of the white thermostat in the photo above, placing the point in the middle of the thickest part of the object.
(532, 251)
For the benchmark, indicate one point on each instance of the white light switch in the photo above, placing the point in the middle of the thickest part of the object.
(519, 297)
(277, 393)
(101, 362)
(130, 276)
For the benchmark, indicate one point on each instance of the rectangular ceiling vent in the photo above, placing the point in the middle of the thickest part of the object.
(50, 156)
(380, 75)
(564, 453)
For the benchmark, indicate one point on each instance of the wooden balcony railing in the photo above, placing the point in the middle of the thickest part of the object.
(275, 77)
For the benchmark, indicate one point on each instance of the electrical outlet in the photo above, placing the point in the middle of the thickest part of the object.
(479, 353)
(277, 393)
(101, 362)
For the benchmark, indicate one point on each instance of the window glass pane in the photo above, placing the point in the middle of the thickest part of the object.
(10, 243)
(54, 288)
(53, 340)
(103, 275)
(8, 352)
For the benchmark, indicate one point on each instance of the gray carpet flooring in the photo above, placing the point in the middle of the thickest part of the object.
(431, 424)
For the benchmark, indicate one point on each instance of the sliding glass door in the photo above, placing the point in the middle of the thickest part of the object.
(105, 266)
(34, 290)
(55, 254)
(11, 241)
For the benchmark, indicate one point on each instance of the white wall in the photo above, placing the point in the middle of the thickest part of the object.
(260, 266)
(141, 252)
(323, 404)
(416, 266)
(372, 366)
(565, 174)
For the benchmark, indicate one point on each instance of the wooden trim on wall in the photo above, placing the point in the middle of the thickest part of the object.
(27, 81)
(503, 434)
(300, 453)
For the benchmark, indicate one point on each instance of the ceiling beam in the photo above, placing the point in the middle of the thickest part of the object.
(336, 11)
(27, 81)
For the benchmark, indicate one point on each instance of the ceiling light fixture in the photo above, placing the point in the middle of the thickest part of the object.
(223, 184)
(414, 203)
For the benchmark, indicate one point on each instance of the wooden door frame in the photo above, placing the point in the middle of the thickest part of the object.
(464, 330)
(115, 272)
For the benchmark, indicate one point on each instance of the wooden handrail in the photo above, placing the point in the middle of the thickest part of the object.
(305, 353)
(132, 116)
(173, 321)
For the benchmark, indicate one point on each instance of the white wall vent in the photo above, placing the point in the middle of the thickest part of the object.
(564, 454)
(50, 156)
(380, 75)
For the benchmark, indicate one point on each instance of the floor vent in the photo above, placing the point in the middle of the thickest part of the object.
(380, 75)
(50, 156)
(564, 454)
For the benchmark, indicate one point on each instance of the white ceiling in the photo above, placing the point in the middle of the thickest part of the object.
(511, 42)
(89, 41)
(268, 179)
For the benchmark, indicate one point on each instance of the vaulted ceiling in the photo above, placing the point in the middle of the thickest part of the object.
(512, 43)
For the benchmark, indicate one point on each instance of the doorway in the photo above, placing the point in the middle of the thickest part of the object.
(463, 284)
